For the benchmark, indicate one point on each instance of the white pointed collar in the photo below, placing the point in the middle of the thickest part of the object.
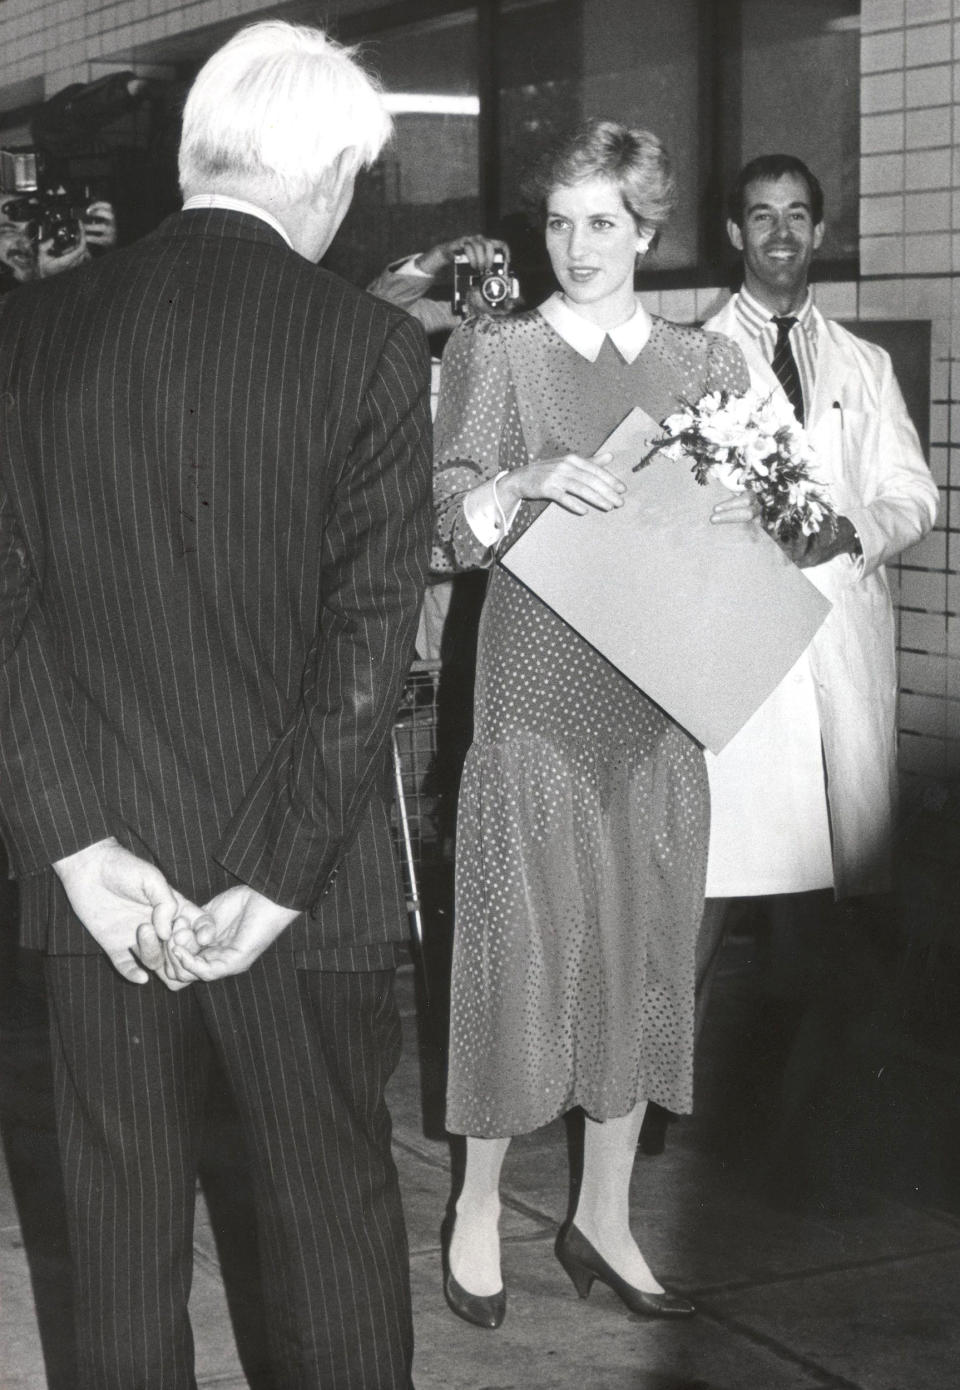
(628, 338)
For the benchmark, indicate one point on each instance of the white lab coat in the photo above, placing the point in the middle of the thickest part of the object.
(868, 453)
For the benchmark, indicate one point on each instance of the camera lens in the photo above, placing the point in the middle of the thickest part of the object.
(494, 289)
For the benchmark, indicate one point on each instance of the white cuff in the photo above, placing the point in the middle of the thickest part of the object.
(409, 267)
(484, 514)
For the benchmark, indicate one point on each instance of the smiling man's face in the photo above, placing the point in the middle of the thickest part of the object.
(778, 239)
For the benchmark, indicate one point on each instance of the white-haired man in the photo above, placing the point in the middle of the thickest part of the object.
(214, 526)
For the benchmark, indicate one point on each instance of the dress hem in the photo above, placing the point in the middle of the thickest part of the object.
(502, 1132)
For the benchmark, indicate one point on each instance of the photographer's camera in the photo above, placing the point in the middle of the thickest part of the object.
(47, 215)
(496, 286)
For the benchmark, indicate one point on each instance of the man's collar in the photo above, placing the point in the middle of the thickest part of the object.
(223, 201)
(755, 316)
(628, 338)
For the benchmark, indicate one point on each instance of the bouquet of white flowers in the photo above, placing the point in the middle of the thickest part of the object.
(751, 443)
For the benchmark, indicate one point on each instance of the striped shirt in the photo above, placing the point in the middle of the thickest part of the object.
(757, 320)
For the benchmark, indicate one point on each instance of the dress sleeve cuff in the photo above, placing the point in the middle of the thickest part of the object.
(484, 514)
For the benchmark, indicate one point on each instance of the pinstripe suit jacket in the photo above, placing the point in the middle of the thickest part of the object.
(214, 522)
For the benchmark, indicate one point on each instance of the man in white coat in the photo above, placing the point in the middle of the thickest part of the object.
(803, 798)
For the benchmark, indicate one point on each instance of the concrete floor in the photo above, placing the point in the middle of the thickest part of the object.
(811, 1208)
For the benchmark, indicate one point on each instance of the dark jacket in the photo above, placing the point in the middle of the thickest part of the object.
(214, 521)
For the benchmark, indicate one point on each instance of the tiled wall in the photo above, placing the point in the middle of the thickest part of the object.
(910, 259)
(76, 40)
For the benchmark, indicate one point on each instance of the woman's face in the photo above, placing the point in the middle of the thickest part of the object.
(592, 241)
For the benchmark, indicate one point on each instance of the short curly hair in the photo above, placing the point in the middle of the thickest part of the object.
(771, 168)
(633, 159)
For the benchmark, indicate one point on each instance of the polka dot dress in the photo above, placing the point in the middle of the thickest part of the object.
(584, 810)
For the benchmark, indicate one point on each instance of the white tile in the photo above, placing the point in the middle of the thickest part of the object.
(928, 212)
(881, 215)
(923, 714)
(880, 14)
(923, 589)
(930, 126)
(882, 52)
(881, 133)
(924, 11)
(923, 169)
(922, 632)
(939, 461)
(883, 91)
(928, 253)
(837, 299)
(923, 673)
(884, 173)
(939, 423)
(930, 86)
(927, 44)
(881, 299)
(881, 255)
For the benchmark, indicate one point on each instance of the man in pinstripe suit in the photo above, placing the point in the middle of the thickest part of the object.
(214, 522)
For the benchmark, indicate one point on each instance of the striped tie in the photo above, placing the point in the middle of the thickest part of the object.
(785, 365)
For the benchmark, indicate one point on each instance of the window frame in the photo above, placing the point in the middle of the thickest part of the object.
(719, 40)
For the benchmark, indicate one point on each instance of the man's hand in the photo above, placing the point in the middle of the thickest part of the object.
(189, 924)
(112, 892)
(48, 264)
(100, 225)
(243, 923)
(480, 252)
(807, 552)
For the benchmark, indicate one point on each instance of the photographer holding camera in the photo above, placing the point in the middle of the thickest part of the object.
(482, 281)
(41, 235)
(45, 228)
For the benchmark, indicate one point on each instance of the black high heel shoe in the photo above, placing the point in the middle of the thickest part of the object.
(584, 1264)
(482, 1310)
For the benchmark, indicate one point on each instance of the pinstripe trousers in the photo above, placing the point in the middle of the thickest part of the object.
(308, 1054)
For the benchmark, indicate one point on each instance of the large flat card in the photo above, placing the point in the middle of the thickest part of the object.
(705, 619)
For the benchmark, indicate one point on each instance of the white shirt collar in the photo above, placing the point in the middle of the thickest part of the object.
(757, 315)
(228, 204)
(628, 338)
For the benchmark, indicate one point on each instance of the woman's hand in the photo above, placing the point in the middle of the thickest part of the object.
(573, 482)
(743, 506)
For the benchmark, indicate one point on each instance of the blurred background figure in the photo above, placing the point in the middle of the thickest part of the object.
(474, 271)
